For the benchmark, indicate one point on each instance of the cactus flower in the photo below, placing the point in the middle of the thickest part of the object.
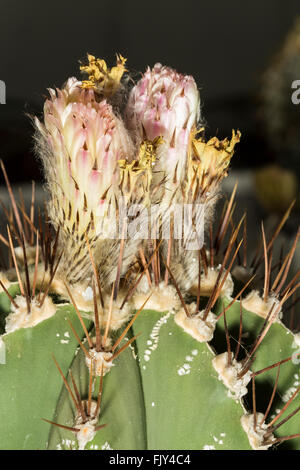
(165, 104)
(80, 143)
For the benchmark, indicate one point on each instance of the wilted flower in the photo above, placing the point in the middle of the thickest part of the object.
(106, 81)
(207, 165)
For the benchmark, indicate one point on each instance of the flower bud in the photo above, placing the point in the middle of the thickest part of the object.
(165, 104)
(80, 144)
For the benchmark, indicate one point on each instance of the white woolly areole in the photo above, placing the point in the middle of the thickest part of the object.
(163, 299)
(256, 435)
(143, 285)
(208, 282)
(83, 297)
(254, 303)
(117, 317)
(86, 431)
(84, 300)
(99, 360)
(81, 293)
(195, 326)
(20, 318)
(229, 375)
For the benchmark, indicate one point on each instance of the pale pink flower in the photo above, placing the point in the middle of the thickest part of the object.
(80, 144)
(167, 104)
(84, 141)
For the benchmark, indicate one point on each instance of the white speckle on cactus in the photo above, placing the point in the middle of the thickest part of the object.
(155, 335)
(229, 375)
(153, 404)
(106, 446)
(66, 444)
(94, 447)
(218, 440)
(134, 355)
(285, 398)
(254, 303)
(195, 326)
(256, 434)
(20, 318)
(209, 447)
(64, 341)
(183, 371)
(67, 334)
(2, 352)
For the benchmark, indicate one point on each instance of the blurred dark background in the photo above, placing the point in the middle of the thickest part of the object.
(224, 45)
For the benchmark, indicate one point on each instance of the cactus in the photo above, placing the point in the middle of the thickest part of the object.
(116, 340)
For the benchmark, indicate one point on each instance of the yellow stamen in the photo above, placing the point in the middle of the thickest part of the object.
(137, 175)
(101, 78)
